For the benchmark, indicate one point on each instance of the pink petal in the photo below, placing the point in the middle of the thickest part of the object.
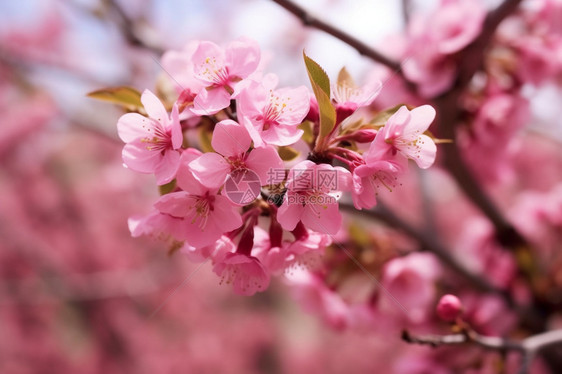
(421, 118)
(177, 135)
(344, 179)
(131, 126)
(364, 196)
(210, 169)
(298, 105)
(210, 101)
(282, 135)
(289, 214)
(177, 204)
(243, 57)
(198, 236)
(266, 163)
(325, 218)
(427, 152)
(167, 167)
(230, 139)
(253, 131)
(154, 107)
(396, 122)
(185, 178)
(138, 158)
(225, 215)
(207, 56)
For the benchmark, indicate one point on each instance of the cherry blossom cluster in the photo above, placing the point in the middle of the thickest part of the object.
(257, 191)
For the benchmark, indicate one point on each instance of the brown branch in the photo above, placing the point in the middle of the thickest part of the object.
(528, 347)
(472, 58)
(362, 48)
(406, 10)
(428, 243)
(129, 28)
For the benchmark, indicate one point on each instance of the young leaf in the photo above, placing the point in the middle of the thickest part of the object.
(167, 188)
(205, 137)
(321, 88)
(317, 75)
(127, 97)
(382, 117)
(288, 153)
(345, 79)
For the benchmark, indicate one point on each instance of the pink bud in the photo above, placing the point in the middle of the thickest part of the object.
(449, 308)
(365, 135)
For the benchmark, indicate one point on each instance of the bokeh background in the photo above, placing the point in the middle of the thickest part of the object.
(77, 293)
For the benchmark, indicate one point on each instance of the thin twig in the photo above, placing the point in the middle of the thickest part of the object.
(129, 29)
(362, 48)
(528, 347)
(488, 342)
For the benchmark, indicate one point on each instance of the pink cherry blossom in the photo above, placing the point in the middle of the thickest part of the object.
(410, 281)
(315, 297)
(272, 115)
(432, 71)
(246, 274)
(220, 70)
(215, 251)
(304, 252)
(375, 174)
(311, 197)
(153, 142)
(205, 215)
(447, 30)
(231, 141)
(348, 95)
(404, 134)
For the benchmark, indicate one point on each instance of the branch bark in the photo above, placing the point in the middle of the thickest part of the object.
(528, 347)
(362, 48)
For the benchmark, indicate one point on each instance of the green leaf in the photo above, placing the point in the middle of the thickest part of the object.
(382, 117)
(205, 137)
(127, 97)
(167, 188)
(317, 75)
(288, 153)
(321, 88)
(308, 135)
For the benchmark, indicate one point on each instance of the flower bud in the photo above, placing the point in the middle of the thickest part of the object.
(449, 308)
(365, 135)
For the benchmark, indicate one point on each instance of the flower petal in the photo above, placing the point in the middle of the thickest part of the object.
(154, 107)
(289, 214)
(210, 101)
(266, 163)
(167, 167)
(325, 217)
(243, 57)
(210, 169)
(132, 126)
(230, 139)
(138, 158)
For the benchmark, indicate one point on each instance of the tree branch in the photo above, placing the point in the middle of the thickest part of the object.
(447, 104)
(529, 315)
(528, 347)
(428, 243)
(129, 29)
(362, 48)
